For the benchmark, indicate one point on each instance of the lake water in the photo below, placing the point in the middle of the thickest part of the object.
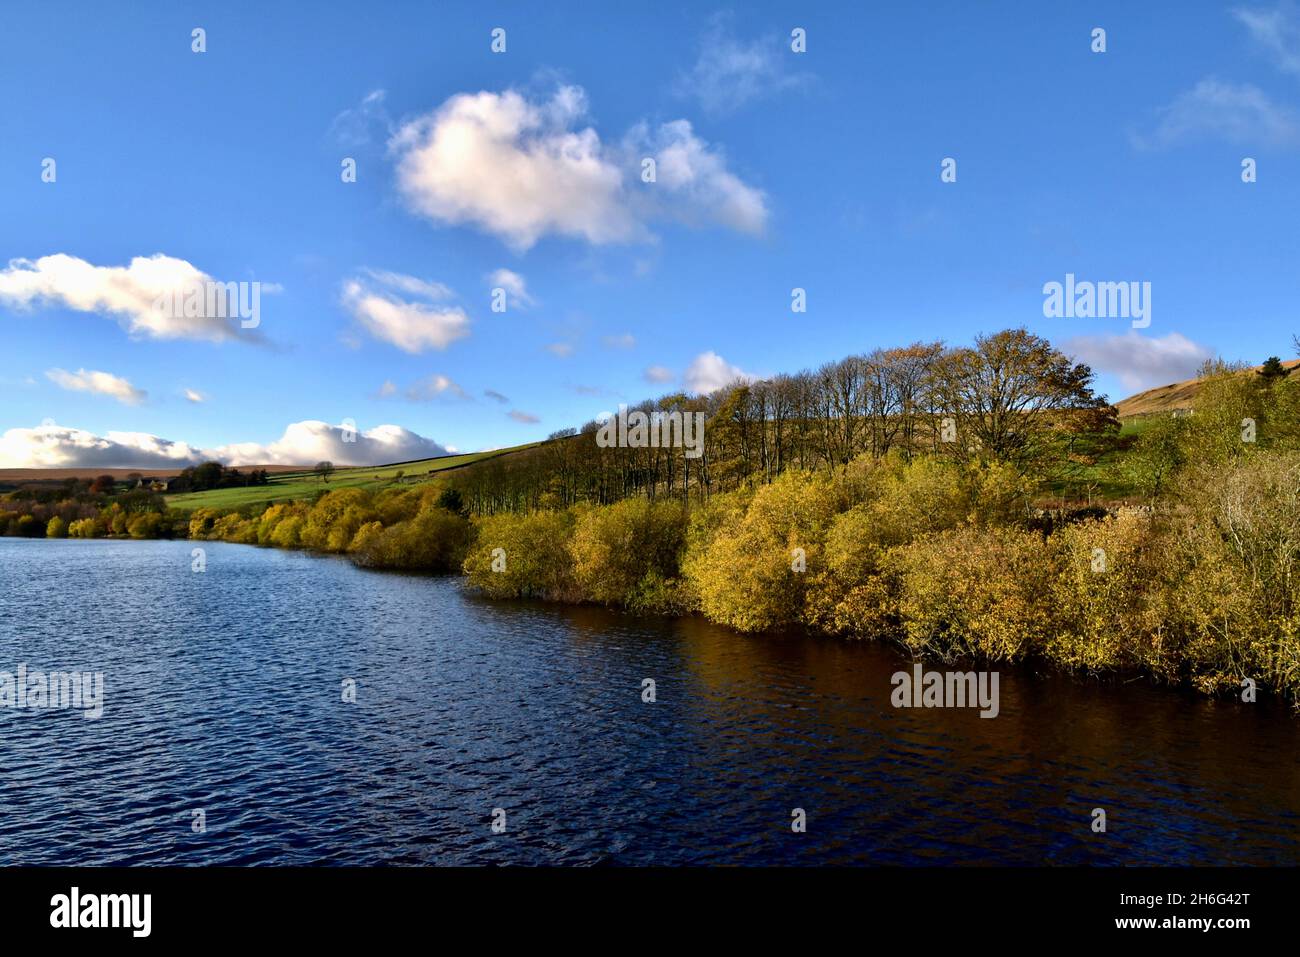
(222, 694)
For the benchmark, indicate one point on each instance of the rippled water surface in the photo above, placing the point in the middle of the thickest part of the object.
(222, 694)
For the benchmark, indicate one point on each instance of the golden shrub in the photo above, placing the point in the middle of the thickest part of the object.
(615, 547)
(973, 591)
(1104, 596)
(522, 556)
(752, 572)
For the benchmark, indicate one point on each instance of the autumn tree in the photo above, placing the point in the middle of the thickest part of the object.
(1013, 394)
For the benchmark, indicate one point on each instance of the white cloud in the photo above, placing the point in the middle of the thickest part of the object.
(731, 72)
(525, 417)
(624, 341)
(192, 395)
(97, 383)
(514, 168)
(1277, 31)
(1240, 113)
(561, 349)
(433, 387)
(709, 372)
(131, 294)
(311, 441)
(410, 285)
(515, 287)
(411, 326)
(659, 374)
(1141, 362)
(694, 182)
(57, 446)
(303, 443)
(522, 170)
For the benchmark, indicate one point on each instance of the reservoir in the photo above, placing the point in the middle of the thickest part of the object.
(226, 738)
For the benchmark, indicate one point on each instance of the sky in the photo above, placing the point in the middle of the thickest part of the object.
(523, 170)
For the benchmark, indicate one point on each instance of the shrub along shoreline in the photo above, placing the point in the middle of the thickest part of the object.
(943, 557)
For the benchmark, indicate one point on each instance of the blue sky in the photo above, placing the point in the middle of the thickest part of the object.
(817, 170)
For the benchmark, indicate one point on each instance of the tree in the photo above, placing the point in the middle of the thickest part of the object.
(1272, 369)
(208, 475)
(1013, 393)
(452, 501)
(324, 470)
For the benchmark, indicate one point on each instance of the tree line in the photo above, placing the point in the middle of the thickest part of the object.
(1010, 397)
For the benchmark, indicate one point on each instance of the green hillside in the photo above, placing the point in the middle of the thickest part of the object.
(286, 486)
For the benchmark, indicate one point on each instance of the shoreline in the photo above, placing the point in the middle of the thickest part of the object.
(1034, 668)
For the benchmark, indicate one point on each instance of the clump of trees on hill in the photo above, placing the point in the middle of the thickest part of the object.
(211, 475)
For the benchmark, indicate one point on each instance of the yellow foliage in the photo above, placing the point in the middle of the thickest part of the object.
(753, 573)
(1103, 595)
(974, 592)
(523, 556)
(614, 548)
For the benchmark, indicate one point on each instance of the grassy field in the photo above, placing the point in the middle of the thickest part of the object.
(1101, 479)
(287, 486)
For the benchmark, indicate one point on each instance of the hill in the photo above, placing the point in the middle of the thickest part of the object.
(303, 483)
(1166, 399)
(13, 476)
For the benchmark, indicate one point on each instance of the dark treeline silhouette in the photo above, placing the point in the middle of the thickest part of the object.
(210, 475)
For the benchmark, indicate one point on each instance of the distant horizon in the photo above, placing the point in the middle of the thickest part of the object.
(280, 467)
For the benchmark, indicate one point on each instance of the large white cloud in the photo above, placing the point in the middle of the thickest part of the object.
(98, 383)
(141, 296)
(411, 325)
(311, 441)
(709, 372)
(1141, 362)
(523, 169)
(60, 446)
(303, 443)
